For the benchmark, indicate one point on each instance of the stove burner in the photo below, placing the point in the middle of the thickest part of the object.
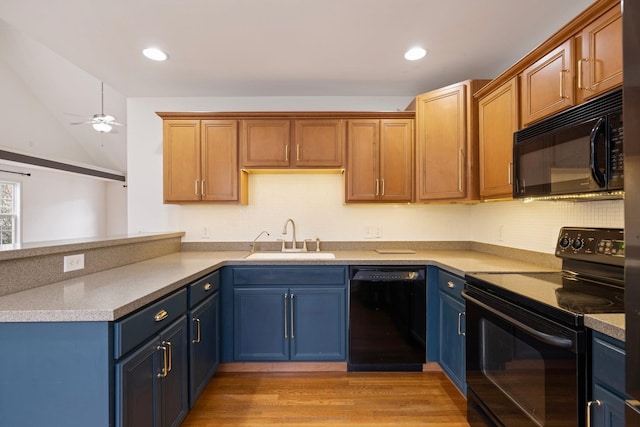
(586, 299)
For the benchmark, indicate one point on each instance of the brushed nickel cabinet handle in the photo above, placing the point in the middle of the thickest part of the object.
(202, 188)
(207, 286)
(161, 315)
(291, 312)
(589, 405)
(509, 167)
(286, 334)
(195, 187)
(170, 351)
(377, 187)
(286, 152)
(163, 373)
(383, 186)
(580, 61)
(562, 96)
(197, 340)
(460, 324)
(460, 167)
(297, 152)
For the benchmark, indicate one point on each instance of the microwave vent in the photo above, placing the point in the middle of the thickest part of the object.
(597, 107)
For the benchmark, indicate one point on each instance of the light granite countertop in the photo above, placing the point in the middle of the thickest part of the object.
(111, 294)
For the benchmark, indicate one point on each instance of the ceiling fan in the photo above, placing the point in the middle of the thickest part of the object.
(101, 122)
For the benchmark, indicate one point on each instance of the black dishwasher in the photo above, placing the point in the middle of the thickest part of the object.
(387, 318)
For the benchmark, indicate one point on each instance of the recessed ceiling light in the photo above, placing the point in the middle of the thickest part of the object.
(415, 53)
(154, 53)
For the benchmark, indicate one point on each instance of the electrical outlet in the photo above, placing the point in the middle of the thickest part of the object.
(73, 262)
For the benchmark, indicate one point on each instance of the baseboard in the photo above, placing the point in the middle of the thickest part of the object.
(283, 367)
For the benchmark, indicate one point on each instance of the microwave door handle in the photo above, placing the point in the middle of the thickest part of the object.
(600, 128)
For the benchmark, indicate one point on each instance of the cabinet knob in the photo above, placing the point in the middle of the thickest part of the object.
(450, 284)
(207, 286)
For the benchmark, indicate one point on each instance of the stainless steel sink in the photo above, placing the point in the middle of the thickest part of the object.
(291, 255)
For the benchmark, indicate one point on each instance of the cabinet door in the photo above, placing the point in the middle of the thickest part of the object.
(261, 324)
(174, 392)
(204, 339)
(318, 323)
(363, 183)
(441, 144)
(265, 143)
(610, 411)
(181, 160)
(137, 387)
(547, 85)
(396, 160)
(600, 67)
(319, 143)
(219, 151)
(498, 120)
(452, 344)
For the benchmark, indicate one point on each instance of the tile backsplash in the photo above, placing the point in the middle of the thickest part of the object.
(535, 225)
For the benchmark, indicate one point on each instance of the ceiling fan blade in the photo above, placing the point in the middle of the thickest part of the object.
(89, 122)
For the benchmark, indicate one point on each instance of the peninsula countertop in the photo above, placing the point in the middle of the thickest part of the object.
(112, 294)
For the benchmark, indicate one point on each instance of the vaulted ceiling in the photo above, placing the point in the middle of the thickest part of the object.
(62, 49)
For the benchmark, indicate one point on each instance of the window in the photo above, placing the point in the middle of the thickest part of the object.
(9, 207)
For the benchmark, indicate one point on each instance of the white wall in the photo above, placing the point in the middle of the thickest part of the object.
(315, 202)
(58, 205)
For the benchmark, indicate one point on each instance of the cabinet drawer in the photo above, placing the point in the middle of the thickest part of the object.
(203, 288)
(289, 276)
(608, 362)
(133, 330)
(450, 284)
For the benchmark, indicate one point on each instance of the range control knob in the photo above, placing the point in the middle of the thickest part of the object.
(577, 244)
(564, 242)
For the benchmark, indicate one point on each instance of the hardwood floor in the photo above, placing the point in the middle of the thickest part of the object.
(329, 399)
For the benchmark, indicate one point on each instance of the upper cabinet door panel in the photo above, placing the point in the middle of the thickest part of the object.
(396, 160)
(600, 67)
(265, 143)
(497, 121)
(319, 143)
(220, 160)
(547, 85)
(362, 160)
(181, 160)
(441, 144)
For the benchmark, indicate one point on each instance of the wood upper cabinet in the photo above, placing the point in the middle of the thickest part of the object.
(600, 63)
(497, 121)
(447, 143)
(319, 143)
(547, 85)
(265, 143)
(304, 143)
(201, 161)
(379, 160)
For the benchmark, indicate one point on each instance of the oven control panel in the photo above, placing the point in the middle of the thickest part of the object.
(604, 245)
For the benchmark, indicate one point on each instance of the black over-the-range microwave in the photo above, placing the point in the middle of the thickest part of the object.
(576, 153)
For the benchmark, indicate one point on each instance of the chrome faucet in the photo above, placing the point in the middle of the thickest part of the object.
(253, 245)
(294, 245)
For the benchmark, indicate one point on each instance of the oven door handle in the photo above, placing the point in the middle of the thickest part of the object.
(555, 341)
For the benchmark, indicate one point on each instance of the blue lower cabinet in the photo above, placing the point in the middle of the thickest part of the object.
(607, 403)
(446, 342)
(204, 345)
(151, 383)
(283, 323)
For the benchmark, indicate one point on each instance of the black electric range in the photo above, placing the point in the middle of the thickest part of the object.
(591, 280)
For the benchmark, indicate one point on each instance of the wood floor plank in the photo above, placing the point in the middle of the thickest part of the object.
(329, 399)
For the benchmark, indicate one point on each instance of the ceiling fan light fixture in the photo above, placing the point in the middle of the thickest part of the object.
(415, 53)
(154, 54)
(102, 127)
